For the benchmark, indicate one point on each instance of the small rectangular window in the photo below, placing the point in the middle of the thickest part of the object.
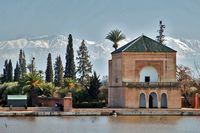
(147, 79)
(116, 80)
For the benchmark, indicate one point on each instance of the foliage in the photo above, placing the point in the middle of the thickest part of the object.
(184, 77)
(95, 84)
(49, 69)
(5, 72)
(47, 89)
(115, 36)
(80, 96)
(8, 71)
(84, 68)
(103, 95)
(11, 88)
(31, 66)
(69, 83)
(22, 62)
(58, 79)
(89, 105)
(31, 85)
(61, 92)
(17, 72)
(70, 65)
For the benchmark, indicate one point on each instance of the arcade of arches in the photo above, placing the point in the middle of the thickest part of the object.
(151, 100)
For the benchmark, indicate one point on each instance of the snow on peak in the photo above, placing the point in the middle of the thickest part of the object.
(99, 51)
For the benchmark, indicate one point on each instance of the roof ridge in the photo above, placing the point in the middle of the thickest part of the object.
(144, 44)
(132, 42)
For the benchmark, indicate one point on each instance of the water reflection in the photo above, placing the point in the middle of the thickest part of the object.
(96, 124)
(146, 119)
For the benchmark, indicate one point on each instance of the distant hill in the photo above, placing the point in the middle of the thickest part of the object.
(39, 47)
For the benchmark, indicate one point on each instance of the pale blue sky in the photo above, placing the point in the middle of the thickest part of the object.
(93, 19)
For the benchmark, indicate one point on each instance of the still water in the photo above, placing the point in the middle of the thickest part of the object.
(100, 124)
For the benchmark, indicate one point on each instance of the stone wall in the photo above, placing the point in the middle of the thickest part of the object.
(66, 102)
(49, 102)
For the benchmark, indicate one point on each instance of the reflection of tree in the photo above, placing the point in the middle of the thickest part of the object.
(27, 119)
(145, 119)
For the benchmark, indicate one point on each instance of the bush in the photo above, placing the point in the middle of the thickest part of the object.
(11, 88)
(89, 105)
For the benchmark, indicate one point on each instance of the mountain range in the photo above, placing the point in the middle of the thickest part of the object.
(188, 51)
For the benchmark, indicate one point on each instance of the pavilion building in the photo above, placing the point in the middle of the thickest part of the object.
(142, 74)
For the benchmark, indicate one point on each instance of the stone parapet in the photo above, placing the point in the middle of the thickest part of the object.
(150, 84)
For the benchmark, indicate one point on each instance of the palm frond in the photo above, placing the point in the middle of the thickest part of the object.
(115, 36)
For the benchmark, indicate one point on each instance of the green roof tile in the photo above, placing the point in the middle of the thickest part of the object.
(143, 44)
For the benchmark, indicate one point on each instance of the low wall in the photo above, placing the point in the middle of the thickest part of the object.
(28, 109)
(49, 102)
(63, 104)
(106, 112)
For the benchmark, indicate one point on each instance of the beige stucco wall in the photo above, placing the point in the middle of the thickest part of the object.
(116, 97)
(133, 96)
(126, 67)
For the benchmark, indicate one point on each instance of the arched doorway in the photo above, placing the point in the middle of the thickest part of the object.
(153, 102)
(163, 100)
(142, 100)
(148, 74)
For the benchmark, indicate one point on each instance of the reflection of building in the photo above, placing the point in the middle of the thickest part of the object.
(142, 73)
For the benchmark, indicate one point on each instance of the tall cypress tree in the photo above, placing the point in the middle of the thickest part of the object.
(22, 62)
(84, 67)
(70, 65)
(58, 79)
(49, 69)
(5, 72)
(17, 72)
(10, 71)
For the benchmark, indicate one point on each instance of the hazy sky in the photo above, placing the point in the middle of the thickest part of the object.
(93, 19)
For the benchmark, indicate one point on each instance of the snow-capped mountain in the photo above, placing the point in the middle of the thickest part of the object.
(188, 51)
(39, 47)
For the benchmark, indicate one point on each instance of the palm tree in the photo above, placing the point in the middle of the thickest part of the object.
(30, 83)
(115, 36)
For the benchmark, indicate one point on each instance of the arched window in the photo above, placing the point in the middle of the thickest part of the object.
(153, 102)
(163, 100)
(142, 100)
(148, 74)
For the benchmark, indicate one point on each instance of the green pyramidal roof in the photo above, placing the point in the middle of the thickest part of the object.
(143, 44)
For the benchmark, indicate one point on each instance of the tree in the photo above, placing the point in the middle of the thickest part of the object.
(31, 66)
(184, 77)
(10, 71)
(58, 79)
(94, 86)
(70, 65)
(84, 67)
(115, 36)
(17, 72)
(31, 82)
(160, 37)
(5, 72)
(69, 83)
(22, 62)
(49, 69)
